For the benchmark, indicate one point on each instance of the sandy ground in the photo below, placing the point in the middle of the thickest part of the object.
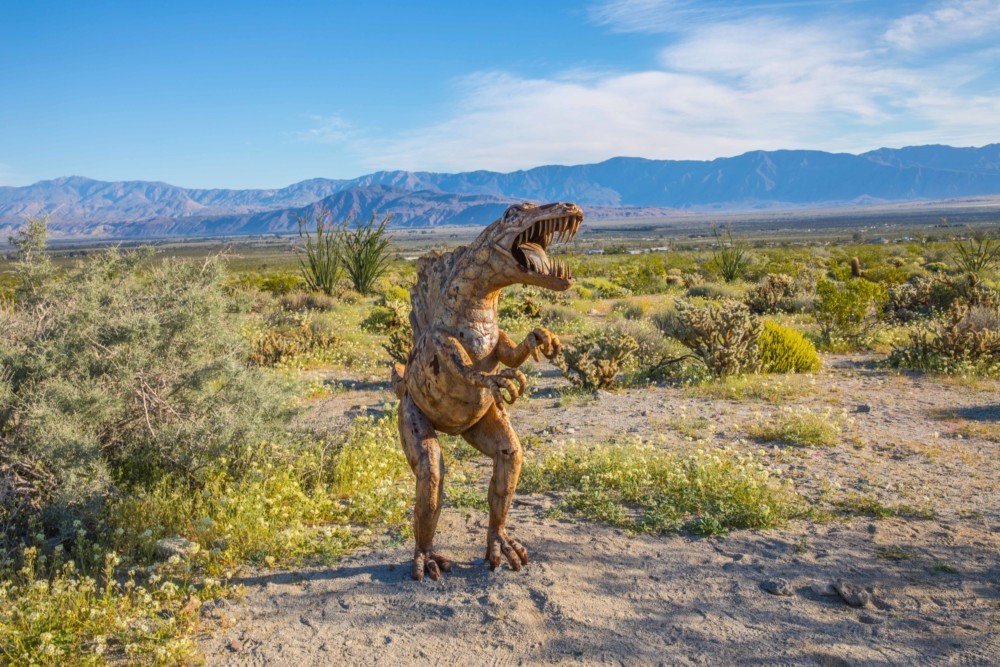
(929, 588)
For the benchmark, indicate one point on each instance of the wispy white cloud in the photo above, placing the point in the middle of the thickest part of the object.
(955, 22)
(721, 88)
(331, 129)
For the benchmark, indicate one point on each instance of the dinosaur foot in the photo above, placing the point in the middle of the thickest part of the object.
(499, 543)
(430, 563)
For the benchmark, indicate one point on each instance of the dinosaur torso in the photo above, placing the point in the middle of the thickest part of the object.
(453, 307)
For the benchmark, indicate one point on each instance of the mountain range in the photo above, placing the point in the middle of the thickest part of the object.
(619, 187)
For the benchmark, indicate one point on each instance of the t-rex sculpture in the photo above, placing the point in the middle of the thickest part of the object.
(451, 381)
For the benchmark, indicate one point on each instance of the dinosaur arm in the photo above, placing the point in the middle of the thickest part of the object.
(515, 355)
(454, 358)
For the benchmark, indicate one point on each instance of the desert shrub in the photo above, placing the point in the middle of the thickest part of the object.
(365, 252)
(731, 254)
(629, 311)
(557, 316)
(124, 368)
(281, 282)
(583, 292)
(32, 268)
(936, 267)
(391, 293)
(712, 291)
(519, 307)
(887, 274)
(382, 319)
(848, 311)
(107, 594)
(603, 288)
(646, 275)
(722, 335)
(771, 294)
(302, 301)
(784, 350)
(643, 488)
(290, 337)
(964, 341)
(594, 360)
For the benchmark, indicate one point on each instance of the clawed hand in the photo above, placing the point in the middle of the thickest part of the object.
(544, 340)
(511, 380)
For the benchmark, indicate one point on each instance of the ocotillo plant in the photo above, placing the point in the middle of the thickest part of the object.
(365, 252)
(321, 265)
(732, 255)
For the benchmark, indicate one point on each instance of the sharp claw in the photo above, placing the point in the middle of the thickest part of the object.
(433, 570)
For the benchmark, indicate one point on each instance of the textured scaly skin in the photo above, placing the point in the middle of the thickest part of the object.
(453, 380)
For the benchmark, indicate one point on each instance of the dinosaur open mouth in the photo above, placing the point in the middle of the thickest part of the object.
(529, 246)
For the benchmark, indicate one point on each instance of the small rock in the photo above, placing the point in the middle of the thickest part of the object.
(174, 546)
(777, 587)
(570, 430)
(869, 619)
(853, 595)
(601, 394)
(235, 646)
(863, 408)
(823, 588)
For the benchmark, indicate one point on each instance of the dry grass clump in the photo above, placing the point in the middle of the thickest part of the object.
(801, 427)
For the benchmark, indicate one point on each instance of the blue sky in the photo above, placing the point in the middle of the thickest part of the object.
(264, 94)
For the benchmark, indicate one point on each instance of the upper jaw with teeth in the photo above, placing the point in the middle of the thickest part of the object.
(561, 228)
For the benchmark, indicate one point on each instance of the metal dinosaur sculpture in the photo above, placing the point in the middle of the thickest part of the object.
(452, 381)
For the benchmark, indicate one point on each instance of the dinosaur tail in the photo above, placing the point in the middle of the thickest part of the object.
(396, 377)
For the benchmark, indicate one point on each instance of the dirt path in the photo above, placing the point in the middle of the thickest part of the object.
(595, 595)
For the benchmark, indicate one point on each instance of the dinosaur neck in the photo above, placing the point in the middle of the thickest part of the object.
(475, 285)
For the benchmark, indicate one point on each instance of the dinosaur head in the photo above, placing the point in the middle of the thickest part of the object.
(522, 236)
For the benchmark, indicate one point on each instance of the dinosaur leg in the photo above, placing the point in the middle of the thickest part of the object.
(494, 436)
(423, 452)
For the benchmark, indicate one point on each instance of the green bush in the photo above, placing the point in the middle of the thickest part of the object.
(849, 310)
(723, 335)
(382, 319)
(784, 350)
(124, 368)
(281, 282)
(603, 288)
(594, 360)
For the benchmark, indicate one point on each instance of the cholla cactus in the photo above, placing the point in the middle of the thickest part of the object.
(965, 340)
(770, 293)
(594, 361)
(723, 335)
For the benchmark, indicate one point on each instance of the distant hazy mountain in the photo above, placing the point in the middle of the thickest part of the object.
(759, 179)
(76, 199)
